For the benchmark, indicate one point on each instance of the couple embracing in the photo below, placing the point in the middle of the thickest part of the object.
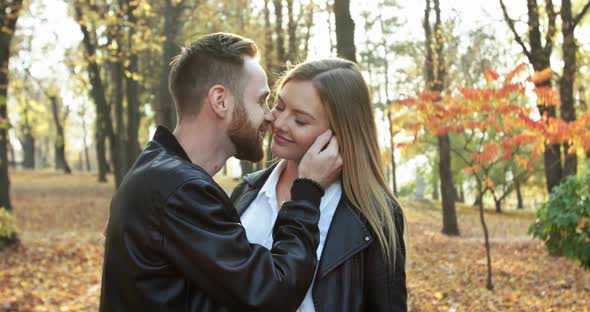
(317, 231)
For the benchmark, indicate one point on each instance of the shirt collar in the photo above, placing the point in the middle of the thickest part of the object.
(270, 186)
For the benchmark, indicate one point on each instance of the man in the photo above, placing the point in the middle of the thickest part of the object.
(174, 241)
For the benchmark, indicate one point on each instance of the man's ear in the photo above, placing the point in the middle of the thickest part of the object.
(218, 99)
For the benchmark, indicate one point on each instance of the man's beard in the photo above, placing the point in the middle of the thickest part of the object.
(246, 139)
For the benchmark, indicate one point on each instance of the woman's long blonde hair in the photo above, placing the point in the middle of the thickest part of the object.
(345, 95)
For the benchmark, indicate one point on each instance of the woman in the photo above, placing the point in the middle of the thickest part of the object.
(361, 252)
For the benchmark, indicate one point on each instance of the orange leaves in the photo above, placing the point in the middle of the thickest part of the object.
(490, 75)
(497, 121)
(576, 133)
(523, 163)
(547, 96)
(541, 76)
(476, 95)
(488, 154)
(524, 138)
(517, 70)
(473, 169)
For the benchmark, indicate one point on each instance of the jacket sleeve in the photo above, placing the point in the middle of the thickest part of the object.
(386, 283)
(204, 239)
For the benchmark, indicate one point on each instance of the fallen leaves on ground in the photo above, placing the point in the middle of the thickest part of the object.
(52, 273)
(58, 265)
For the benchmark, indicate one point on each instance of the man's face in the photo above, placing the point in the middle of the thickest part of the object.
(251, 115)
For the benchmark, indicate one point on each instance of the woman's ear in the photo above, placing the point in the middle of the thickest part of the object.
(217, 98)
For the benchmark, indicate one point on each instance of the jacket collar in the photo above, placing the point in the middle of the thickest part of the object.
(257, 179)
(348, 233)
(168, 141)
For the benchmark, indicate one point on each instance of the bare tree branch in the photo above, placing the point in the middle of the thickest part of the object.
(581, 14)
(510, 23)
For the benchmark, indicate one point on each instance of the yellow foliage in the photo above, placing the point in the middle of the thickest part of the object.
(7, 223)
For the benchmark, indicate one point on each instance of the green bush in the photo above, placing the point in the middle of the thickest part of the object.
(7, 227)
(563, 222)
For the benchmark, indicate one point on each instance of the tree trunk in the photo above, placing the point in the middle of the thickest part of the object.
(268, 45)
(42, 152)
(392, 143)
(330, 9)
(61, 162)
(345, 47)
(116, 76)
(308, 25)
(101, 152)
(292, 31)
(518, 195)
(498, 203)
(280, 40)
(489, 284)
(436, 76)
(387, 103)
(133, 117)
(166, 111)
(540, 57)
(247, 167)
(85, 143)
(104, 126)
(28, 143)
(450, 226)
(478, 200)
(566, 83)
(268, 155)
(435, 181)
(8, 26)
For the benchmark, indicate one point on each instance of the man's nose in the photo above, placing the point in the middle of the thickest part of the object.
(268, 115)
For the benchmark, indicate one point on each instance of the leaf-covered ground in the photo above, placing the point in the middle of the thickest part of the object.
(57, 267)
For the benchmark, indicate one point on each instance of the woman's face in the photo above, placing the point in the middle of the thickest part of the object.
(299, 117)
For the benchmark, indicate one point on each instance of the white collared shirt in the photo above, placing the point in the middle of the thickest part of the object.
(260, 217)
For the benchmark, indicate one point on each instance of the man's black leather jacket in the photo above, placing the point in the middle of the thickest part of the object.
(175, 243)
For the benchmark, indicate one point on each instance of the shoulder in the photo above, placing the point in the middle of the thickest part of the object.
(157, 170)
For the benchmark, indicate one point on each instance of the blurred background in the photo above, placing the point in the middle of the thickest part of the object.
(481, 107)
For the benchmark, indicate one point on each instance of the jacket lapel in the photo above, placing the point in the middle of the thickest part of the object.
(347, 236)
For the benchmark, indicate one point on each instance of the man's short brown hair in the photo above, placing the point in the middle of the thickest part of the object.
(213, 59)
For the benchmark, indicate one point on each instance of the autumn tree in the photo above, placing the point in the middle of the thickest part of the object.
(569, 22)
(436, 72)
(9, 13)
(345, 46)
(376, 58)
(173, 26)
(103, 124)
(499, 131)
(538, 52)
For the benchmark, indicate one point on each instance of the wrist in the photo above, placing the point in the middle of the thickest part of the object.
(312, 182)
